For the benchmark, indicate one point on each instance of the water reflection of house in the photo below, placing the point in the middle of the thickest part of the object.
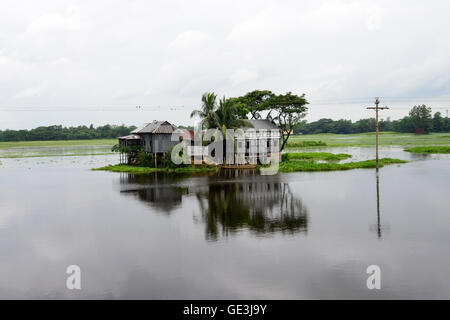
(158, 193)
(262, 204)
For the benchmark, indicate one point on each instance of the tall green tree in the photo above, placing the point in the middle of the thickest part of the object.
(289, 110)
(241, 108)
(222, 116)
(207, 112)
(446, 125)
(227, 117)
(438, 122)
(421, 117)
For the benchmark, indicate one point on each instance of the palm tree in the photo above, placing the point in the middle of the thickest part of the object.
(227, 118)
(207, 112)
(222, 117)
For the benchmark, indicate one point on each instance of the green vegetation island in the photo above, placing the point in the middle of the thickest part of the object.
(146, 170)
(430, 149)
(291, 162)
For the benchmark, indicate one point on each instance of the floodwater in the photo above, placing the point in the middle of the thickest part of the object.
(225, 235)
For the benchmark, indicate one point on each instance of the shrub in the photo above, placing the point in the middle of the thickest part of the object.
(144, 159)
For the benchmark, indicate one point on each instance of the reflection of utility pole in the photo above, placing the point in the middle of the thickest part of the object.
(376, 108)
(378, 208)
(378, 228)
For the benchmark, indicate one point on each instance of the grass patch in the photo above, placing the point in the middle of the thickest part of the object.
(315, 156)
(146, 170)
(368, 139)
(296, 165)
(18, 156)
(430, 149)
(305, 144)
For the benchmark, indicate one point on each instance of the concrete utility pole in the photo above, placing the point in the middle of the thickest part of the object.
(376, 108)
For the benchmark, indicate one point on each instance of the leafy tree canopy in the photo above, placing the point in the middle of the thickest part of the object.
(421, 117)
(254, 103)
(288, 110)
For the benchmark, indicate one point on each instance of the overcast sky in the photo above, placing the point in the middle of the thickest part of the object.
(81, 62)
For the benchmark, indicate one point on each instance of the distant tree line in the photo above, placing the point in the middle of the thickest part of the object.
(230, 113)
(66, 133)
(419, 117)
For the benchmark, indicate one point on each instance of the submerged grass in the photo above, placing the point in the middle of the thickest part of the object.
(309, 165)
(305, 144)
(368, 139)
(316, 156)
(430, 149)
(44, 155)
(144, 170)
(58, 143)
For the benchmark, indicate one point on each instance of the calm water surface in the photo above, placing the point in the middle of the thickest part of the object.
(297, 235)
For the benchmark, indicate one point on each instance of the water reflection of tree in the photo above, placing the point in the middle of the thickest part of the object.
(262, 207)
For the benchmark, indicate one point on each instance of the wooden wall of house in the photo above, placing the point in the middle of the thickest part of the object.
(158, 142)
(147, 141)
(161, 142)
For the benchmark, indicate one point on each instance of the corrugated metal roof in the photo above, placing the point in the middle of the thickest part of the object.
(156, 127)
(140, 128)
(262, 124)
(186, 134)
(130, 137)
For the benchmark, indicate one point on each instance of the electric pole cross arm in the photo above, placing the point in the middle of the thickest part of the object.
(377, 108)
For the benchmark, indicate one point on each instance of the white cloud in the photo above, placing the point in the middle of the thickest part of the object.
(242, 76)
(54, 21)
(126, 53)
(190, 39)
(374, 19)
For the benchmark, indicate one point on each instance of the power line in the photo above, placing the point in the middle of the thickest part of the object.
(173, 109)
(364, 99)
(92, 109)
(313, 102)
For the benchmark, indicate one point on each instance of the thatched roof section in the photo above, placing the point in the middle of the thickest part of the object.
(155, 127)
